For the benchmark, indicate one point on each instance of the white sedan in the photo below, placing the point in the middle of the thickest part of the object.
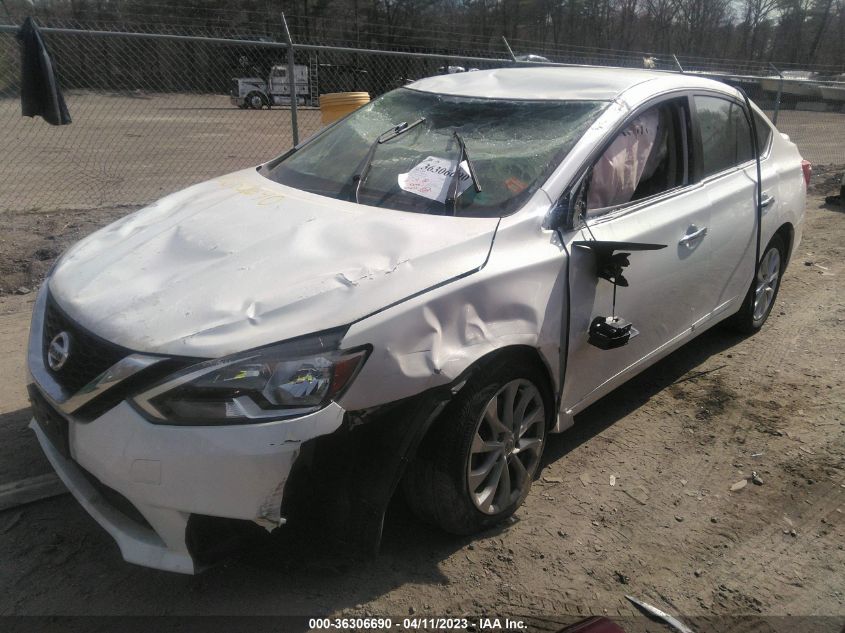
(410, 300)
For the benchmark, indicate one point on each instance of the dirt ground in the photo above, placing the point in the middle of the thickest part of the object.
(669, 531)
(132, 148)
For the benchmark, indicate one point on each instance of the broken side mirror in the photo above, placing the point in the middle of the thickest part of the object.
(613, 331)
(556, 217)
(578, 206)
(610, 332)
(570, 211)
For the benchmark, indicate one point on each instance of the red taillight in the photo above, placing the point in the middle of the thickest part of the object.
(807, 168)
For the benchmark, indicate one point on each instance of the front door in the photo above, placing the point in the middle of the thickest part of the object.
(638, 191)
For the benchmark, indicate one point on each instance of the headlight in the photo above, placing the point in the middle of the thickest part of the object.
(269, 383)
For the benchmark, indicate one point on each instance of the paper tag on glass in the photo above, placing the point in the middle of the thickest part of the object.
(432, 178)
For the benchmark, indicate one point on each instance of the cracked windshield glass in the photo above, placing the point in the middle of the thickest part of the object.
(402, 150)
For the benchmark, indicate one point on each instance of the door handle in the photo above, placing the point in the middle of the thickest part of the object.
(766, 201)
(689, 238)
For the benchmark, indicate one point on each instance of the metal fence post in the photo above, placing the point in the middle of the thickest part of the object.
(508, 46)
(294, 124)
(780, 92)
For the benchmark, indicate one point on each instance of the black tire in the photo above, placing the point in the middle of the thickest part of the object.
(745, 321)
(436, 484)
(255, 100)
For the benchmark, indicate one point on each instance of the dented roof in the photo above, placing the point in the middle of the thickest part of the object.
(557, 83)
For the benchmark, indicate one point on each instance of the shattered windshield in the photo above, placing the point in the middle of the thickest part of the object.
(510, 148)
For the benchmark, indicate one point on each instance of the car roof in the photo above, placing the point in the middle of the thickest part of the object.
(557, 83)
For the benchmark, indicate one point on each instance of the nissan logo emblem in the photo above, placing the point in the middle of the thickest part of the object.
(59, 350)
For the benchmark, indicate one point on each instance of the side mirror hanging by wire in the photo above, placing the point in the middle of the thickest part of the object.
(613, 331)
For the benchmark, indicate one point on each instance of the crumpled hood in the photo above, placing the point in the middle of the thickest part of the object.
(241, 261)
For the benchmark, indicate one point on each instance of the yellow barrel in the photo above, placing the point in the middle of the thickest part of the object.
(338, 104)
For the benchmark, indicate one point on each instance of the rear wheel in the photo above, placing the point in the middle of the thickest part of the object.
(764, 289)
(476, 465)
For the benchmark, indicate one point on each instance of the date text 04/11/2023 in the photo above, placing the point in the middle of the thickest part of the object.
(416, 623)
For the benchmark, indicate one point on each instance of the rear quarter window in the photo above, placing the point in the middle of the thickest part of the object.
(764, 132)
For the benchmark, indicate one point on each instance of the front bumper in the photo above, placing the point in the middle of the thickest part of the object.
(170, 474)
(178, 497)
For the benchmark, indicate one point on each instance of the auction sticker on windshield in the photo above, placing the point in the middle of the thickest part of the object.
(432, 178)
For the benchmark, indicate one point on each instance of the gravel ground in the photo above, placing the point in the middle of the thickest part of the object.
(132, 149)
(670, 530)
(820, 135)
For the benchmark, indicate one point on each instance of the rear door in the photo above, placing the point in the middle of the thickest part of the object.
(639, 190)
(728, 172)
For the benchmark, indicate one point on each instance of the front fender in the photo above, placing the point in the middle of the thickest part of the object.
(517, 299)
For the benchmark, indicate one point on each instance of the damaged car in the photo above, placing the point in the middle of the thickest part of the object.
(410, 301)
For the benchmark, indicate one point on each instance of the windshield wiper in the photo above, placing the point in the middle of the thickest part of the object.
(389, 135)
(456, 175)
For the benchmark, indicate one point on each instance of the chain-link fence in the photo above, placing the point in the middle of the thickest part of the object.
(150, 115)
(153, 113)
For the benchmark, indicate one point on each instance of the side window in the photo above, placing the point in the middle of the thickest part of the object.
(725, 134)
(645, 159)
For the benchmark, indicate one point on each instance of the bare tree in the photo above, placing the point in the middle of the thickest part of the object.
(661, 17)
(755, 12)
(798, 31)
(700, 23)
(821, 15)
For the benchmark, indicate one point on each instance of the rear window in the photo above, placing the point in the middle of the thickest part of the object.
(725, 134)
(512, 146)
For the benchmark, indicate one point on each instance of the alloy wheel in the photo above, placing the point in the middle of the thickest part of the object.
(506, 447)
(768, 277)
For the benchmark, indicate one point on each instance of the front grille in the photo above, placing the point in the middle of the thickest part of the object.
(89, 355)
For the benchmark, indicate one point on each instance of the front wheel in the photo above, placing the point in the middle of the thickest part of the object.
(476, 465)
(255, 100)
(764, 289)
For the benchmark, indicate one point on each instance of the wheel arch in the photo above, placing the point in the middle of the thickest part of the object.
(787, 233)
(525, 353)
(393, 434)
(436, 469)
